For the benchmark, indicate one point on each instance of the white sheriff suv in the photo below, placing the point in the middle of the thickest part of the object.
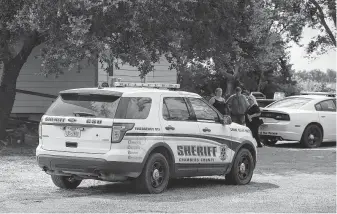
(143, 133)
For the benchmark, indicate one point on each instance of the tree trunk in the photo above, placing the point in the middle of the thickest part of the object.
(11, 71)
(230, 87)
(7, 94)
(260, 81)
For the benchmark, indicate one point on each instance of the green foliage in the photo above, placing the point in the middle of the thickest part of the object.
(238, 36)
(316, 80)
(317, 75)
(294, 15)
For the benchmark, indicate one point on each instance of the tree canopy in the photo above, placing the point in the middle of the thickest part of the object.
(244, 38)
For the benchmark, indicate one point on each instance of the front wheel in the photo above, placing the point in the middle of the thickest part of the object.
(65, 182)
(155, 175)
(312, 137)
(242, 168)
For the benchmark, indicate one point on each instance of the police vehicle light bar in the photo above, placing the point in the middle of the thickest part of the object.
(149, 85)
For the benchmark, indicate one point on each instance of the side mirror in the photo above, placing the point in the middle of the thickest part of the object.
(226, 120)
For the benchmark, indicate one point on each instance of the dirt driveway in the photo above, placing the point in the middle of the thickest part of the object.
(287, 179)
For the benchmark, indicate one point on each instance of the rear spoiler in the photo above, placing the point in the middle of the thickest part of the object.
(92, 91)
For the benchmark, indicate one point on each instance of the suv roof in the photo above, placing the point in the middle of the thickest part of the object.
(124, 90)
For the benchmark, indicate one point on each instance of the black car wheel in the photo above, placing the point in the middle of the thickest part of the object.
(242, 168)
(312, 136)
(155, 175)
(269, 142)
(65, 182)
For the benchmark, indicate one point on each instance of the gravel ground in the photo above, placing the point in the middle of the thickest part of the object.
(288, 179)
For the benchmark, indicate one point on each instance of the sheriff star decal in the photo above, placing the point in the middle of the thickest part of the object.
(223, 152)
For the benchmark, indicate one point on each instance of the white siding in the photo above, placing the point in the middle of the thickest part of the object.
(127, 73)
(30, 80)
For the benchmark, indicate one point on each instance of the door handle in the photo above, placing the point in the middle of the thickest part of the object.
(169, 127)
(323, 116)
(206, 130)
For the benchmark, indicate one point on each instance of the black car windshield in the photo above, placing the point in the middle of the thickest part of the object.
(291, 103)
(102, 106)
(89, 105)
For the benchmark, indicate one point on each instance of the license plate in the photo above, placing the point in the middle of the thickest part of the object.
(268, 133)
(72, 132)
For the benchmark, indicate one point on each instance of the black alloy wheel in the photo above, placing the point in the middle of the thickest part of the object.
(158, 174)
(312, 137)
(155, 175)
(242, 168)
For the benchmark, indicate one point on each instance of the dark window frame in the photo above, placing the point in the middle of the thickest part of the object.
(333, 101)
(64, 98)
(212, 107)
(191, 116)
(121, 114)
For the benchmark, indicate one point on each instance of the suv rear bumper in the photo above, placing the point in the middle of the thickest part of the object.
(93, 167)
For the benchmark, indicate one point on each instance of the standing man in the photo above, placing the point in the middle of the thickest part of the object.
(238, 105)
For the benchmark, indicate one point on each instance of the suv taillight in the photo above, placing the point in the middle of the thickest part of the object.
(119, 130)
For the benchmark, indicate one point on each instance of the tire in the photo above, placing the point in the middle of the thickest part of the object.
(241, 174)
(269, 142)
(65, 182)
(155, 175)
(312, 136)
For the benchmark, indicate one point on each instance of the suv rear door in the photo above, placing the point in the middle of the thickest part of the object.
(80, 122)
(181, 132)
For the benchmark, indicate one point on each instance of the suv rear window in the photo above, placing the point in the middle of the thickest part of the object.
(101, 106)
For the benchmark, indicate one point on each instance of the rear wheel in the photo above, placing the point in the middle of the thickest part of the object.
(269, 142)
(155, 175)
(65, 182)
(242, 168)
(312, 136)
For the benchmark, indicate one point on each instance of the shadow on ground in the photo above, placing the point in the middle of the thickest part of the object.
(297, 145)
(184, 189)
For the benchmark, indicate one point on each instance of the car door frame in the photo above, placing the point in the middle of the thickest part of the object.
(327, 125)
(182, 168)
(219, 167)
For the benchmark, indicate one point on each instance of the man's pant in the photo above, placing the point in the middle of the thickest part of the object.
(240, 119)
(255, 133)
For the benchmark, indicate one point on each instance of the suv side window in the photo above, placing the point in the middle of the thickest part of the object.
(175, 108)
(327, 105)
(203, 111)
(134, 108)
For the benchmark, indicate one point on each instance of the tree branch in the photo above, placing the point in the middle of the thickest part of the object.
(323, 22)
(29, 44)
(236, 69)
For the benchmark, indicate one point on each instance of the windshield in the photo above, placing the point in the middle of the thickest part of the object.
(291, 103)
(90, 105)
(101, 106)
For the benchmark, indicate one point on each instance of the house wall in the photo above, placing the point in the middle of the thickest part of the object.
(127, 73)
(30, 80)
